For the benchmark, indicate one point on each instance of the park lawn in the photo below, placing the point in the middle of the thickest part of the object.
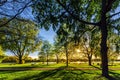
(36, 65)
(51, 75)
(114, 66)
(54, 65)
(39, 65)
(56, 75)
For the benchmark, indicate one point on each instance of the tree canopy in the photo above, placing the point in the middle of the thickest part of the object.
(23, 38)
(74, 12)
(45, 50)
(79, 16)
(2, 54)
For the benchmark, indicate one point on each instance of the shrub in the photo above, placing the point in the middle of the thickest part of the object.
(9, 59)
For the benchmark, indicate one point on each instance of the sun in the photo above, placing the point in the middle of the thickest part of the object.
(78, 50)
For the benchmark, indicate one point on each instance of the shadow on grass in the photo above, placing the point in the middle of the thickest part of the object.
(61, 73)
(64, 73)
(96, 67)
(112, 76)
(115, 75)
(4, 72)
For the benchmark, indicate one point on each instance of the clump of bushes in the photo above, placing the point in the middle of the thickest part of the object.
(14, 59)
(9, 59)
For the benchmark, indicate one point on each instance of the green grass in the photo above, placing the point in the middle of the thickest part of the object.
(31, 65)
(83, 65)
(40, 65)
(114, 66)
(13, 75)
(50, 75)
(55, 75)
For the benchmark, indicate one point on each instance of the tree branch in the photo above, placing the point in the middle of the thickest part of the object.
(18, 18)
(76, 17)
(2, 42)
(2, 2)
(113, 15)
(19, 12)
(14, 53)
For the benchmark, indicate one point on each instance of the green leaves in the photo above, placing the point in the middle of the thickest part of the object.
(22, 38)
(2, 54)
(45, 48)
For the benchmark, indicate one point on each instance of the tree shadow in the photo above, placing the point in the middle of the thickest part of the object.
(4, 72)
(61, 73)
(66, 73)
(96, 67)
(113, 76)
(40, 76)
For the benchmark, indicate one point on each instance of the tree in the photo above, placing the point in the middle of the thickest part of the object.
(2, 55)
(54, 12)
(45, 50)
(42, 57)
(113, 42)
(10, 59)
(56, 51)
(23, 39)
(58, 48)
(64, 39)
(14, 9)
(90, 42)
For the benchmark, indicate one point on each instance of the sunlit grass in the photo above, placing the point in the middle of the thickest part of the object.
(80, 74)
(39, 65)
(54, 65)
(32, 65)
(49, 75)
(11, 75)
(56, 75)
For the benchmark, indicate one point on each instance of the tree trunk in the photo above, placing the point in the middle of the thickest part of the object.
(43, 60)
(89, 60)
(66, 56)
(104, 34)
(20, 60)
(104, 50)
(47, 59)
(57, 60)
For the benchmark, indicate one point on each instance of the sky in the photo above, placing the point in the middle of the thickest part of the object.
(46, 35)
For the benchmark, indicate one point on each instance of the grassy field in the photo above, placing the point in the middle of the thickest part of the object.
(54, 65)
(39, 65)
(83, 65)
(55, 74)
